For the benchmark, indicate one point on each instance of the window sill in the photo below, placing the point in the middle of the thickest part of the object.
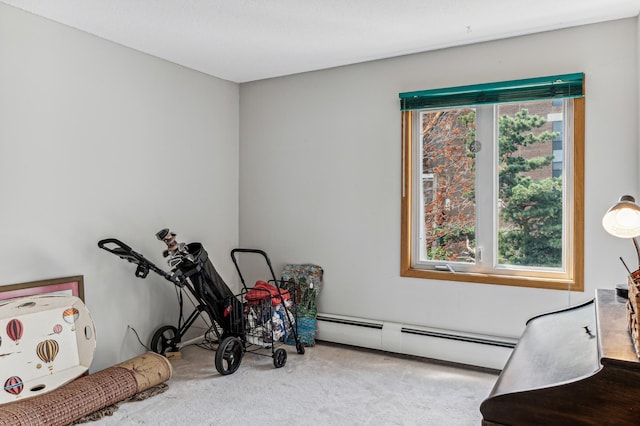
(519, 281)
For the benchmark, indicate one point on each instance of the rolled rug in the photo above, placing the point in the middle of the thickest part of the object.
(89, 393)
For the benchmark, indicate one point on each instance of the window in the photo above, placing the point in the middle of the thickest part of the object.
(493, 183)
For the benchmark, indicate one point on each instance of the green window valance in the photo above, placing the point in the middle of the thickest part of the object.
(551, 87)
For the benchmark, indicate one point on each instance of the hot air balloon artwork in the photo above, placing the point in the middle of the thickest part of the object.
(47, 351)
(14, 330)
(57, 329)
(13, 385)
(70, 315)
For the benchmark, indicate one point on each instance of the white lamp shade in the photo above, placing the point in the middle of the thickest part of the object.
(623, 219)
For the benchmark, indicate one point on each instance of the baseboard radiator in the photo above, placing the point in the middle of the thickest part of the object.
(466, 348)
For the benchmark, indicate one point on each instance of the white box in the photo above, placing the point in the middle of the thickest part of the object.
(45, 342)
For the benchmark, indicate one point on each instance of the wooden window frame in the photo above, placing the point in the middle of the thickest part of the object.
(575, 280)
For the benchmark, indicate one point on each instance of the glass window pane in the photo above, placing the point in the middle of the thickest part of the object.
(530, 188)
(448, 185)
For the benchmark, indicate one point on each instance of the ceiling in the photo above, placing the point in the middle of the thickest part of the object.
(246, 40)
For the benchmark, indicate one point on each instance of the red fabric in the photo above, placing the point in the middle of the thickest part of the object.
(262, 290)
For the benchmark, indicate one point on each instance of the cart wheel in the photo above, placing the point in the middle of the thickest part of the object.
(229, 355)
(279, 358)
(165, 339)
(300, 348)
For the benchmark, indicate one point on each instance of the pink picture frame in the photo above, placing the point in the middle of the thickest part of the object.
(67, 285)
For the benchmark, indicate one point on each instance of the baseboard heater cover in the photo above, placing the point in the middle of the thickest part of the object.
(422, 331)
(447, 345)
(461, 337)
(348, 321)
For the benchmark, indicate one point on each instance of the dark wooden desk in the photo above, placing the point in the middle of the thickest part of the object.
(572, 367)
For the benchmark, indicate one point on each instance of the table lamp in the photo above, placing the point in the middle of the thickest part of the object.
(623, 220)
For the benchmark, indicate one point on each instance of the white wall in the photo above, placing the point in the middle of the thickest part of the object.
(320, 173)
(97, 140)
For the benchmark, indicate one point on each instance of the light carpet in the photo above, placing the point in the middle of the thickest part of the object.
(328, 385)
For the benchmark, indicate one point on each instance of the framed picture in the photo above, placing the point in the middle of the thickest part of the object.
(68, 285)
